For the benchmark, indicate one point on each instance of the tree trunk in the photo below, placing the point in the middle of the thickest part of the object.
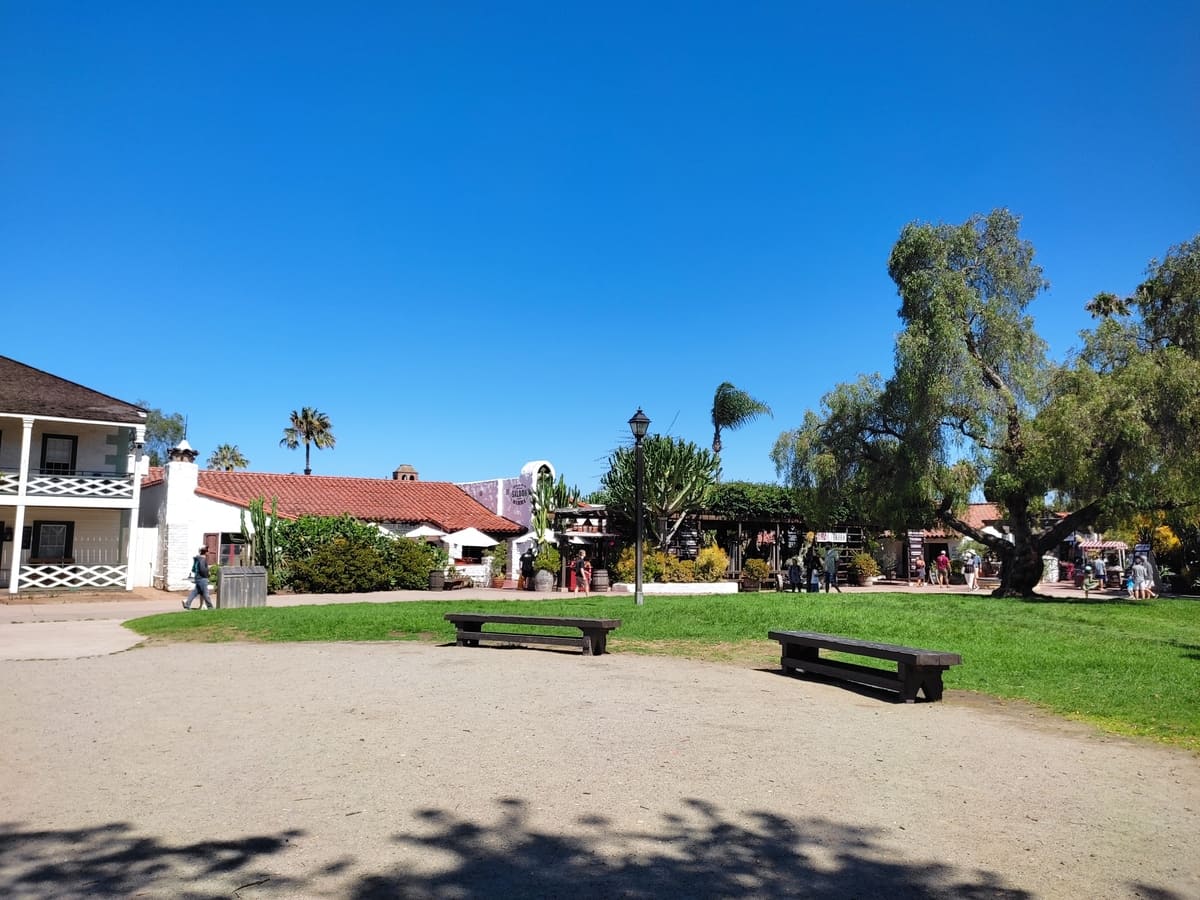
(1021, 572)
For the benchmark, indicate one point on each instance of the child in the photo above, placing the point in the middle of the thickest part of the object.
(1129, 584)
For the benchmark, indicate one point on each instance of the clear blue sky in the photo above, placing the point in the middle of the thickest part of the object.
(479, 234)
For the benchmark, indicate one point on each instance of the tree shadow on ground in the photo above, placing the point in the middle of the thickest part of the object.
(113, 861)
(695, 853)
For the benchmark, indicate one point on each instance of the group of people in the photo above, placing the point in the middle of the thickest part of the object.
(581, 566)
(1139, 580)
(939, 573)
(814, 566)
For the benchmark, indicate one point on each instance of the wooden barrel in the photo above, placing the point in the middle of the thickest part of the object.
(600, 580)
(437, 580)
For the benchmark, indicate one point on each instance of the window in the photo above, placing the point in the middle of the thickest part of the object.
(58, 454)
(52, 540)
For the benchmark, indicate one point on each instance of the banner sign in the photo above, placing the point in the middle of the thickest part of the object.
(831, 537)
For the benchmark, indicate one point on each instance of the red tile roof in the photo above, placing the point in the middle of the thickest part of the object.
(439, 503)
(977, 515)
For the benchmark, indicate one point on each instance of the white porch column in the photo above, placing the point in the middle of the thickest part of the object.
(134, 465)
(14, 582)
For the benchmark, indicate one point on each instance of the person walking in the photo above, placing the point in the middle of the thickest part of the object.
(1143, 584)
(919, 563)
(831, 567)
(943, 568)
(583, 571)
(971, 570)
(200, 574)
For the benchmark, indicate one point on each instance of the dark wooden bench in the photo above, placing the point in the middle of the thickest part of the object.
(593, 640)
(916, 670)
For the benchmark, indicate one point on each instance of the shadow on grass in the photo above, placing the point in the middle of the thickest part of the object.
(113, 860)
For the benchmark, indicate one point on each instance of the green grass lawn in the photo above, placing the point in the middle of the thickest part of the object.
(1128, 667)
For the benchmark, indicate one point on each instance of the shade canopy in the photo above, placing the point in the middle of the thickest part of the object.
(424, 531)
(469, 537)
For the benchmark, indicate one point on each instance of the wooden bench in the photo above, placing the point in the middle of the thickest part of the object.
(916, 670)
(593, 640)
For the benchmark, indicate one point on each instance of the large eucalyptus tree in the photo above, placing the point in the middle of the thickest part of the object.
(975, 406)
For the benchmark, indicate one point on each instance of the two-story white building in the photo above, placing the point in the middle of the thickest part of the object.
(69, 490)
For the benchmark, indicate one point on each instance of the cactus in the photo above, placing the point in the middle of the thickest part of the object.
(263, 547)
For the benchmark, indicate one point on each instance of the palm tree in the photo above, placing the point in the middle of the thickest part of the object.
(227, 457)
(733, 409)
(308, 427)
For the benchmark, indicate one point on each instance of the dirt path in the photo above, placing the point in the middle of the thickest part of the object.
(375, 770)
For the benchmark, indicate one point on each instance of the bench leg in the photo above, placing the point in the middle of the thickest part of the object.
(595, 640)
(926, 679)
(459, 641)
(794, 651)
(911, 679)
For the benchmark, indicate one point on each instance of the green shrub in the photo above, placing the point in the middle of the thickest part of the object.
(340, 567)
(711, 564)
(680, 570)
(756, 569)
(654, 564)
(375, 560)
(863, 566)
(547, 560)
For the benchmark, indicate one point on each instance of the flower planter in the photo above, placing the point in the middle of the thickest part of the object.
(543, 580)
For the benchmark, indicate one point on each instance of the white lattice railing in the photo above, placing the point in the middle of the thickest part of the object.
(69, 576)
(109, 487)
(8, 481)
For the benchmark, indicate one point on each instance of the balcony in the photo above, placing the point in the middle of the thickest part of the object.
(95, 485)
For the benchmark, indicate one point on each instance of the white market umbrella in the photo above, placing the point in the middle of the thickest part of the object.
(425, 531)
(469, 537)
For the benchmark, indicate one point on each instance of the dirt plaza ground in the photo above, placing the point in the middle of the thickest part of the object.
(410, 769)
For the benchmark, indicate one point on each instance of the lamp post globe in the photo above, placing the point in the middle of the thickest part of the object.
(638, 424)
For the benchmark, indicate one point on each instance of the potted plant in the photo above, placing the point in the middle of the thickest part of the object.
(499, 561)
(545, 568)
(754, 573)
(863, 568)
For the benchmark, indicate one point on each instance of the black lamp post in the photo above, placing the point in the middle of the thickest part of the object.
(638, 425)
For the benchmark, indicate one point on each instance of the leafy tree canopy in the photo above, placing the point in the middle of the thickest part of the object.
(749, 501)
(163, 431)
(974, 405)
